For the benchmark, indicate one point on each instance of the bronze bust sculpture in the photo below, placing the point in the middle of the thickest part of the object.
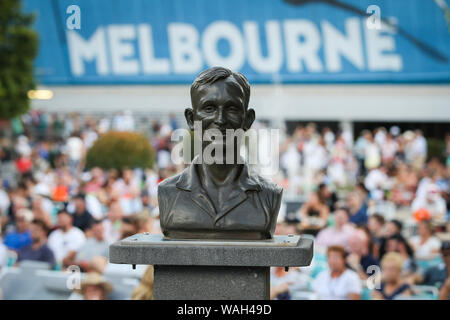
(219, 200)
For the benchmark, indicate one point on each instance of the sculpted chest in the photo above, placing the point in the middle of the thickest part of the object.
(241, 211)
(248, 211)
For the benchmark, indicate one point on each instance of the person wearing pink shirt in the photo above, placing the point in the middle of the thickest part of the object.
(339, 233)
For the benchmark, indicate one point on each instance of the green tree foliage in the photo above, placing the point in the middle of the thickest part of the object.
(18, 48)
(119, 150)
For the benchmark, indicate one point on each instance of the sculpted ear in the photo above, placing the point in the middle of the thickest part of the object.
(249, 118)
(189, 115)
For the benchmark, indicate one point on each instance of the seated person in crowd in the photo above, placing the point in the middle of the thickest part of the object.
(95, 246)
(339, 282)
(339, 233)
(357, 208)
(21, 236)
(94, 287)
(82, 219)
(432, 201)
(285, 228)
(391, 228)
(376, 227)
(42, 208)
(113, 222)
(282, 282)
(144, 291)
(66, 240)
(38, 250)
(313, 214)
(359, 258)
(437, 275)
(130, 226)
(329, 197)
(392, 284)
(145, 221)
(426, 246)
(397, 243)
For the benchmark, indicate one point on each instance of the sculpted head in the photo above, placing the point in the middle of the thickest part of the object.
(220, 99)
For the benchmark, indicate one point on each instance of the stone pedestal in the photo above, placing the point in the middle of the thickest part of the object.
(212, 269)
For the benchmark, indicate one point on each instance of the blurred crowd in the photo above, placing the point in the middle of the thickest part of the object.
(377, 206)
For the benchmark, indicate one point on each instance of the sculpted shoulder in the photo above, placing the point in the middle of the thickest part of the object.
(170, 182)
(268, 187)
(271, 195)
(167, 189)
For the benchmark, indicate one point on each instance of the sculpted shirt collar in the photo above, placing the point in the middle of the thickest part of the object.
(189, 181)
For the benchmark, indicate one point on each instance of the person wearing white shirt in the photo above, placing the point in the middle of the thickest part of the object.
(290, 160)
(66, 240)
(431, 201)
(426, 246)
(372, 155)
(419, 149)
(339, 282)
(23, 146)
(376, 181)
(380, 136)
(389, 149)
(284, 284)
(75, 148)
(75, 151)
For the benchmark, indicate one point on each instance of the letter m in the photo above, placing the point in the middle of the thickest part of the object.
(81, 50)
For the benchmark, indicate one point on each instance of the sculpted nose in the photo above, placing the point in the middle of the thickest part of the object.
(220, 119)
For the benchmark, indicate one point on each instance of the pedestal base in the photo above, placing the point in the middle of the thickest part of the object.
(211, 283)
(212, 269)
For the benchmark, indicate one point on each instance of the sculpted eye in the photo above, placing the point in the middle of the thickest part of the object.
(209, 109)
(233, 109)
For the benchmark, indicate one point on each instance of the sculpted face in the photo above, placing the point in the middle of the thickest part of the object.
(220, 106)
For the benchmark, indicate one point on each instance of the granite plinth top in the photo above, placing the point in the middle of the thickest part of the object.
(154, 249)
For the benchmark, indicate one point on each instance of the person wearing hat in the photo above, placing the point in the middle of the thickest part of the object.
(21, 236)
(144, 291)
(94, 287)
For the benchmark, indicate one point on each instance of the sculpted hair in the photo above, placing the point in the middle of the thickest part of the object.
(214, 74)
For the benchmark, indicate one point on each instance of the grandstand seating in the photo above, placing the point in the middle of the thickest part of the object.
(17, 283)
